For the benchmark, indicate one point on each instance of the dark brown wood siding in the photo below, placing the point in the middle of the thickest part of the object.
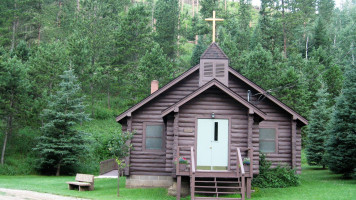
(224, 107)
(276, 116)
(158, 163)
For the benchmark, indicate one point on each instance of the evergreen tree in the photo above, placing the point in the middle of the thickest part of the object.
(154, 65)
(341, 148)
(198, 51)
(60, 145)
(166, 14)
(208, 6)
(321, 37)
(14, 96)
(317, 131)
(244, 30)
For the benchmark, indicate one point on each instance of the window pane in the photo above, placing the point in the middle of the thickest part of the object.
(267, 146)
(154, 130)
(153, 143)
(267, 134)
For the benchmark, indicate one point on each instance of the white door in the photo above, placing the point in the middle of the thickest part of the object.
(212, 144)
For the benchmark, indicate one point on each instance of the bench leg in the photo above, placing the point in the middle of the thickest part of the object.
(70, 187)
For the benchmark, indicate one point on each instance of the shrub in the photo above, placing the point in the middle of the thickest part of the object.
(280, 177)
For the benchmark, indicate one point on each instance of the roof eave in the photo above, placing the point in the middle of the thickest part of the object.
(295, 115)
(221, 86)
(129, 111)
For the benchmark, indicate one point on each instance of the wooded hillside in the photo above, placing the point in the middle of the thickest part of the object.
(116, 47)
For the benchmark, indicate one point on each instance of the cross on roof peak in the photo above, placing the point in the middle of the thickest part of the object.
(214, 20)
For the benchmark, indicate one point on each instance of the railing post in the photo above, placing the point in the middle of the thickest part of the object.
(243, 187)
(237, 162)
(192, 173)
(177, 163)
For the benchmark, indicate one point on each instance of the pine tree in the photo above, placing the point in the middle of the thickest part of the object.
(60, 145)
(166, 14)
(244, 30)
(154, 65)
(341, 148)
(198, 51)
(14, 96)
(317, 131)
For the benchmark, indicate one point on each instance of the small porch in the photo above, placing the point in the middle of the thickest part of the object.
(215, 184)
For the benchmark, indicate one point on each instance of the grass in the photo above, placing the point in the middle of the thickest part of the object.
(316, 184)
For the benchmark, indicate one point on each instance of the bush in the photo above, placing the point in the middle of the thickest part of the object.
(280, 177)
(18, 165)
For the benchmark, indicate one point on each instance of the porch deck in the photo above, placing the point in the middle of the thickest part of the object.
(236, 180)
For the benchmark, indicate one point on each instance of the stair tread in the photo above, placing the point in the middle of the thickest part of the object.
(213, 186)
(216, 198)
(214, 192)
(217, 181)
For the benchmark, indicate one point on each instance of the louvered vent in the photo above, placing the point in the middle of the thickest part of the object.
(208, 69)
(213, 69)
(219, 70)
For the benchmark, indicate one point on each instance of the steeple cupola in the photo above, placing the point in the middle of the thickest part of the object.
(213, 65)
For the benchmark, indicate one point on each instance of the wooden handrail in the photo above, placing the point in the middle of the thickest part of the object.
(240, 163)
(192, 161)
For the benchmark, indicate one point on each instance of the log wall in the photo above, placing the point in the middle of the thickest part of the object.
(158, 163)
(213, 100)
(276, 116)
(224, 107)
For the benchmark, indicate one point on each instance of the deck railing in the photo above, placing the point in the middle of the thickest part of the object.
(185, 152)
(188, 152)
(240, 170)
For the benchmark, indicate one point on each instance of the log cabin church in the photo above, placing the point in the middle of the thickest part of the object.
(215, 118)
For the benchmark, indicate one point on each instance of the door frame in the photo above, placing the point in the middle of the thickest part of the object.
(217, 116)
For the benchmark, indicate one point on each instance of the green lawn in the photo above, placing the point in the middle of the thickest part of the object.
(316, 184)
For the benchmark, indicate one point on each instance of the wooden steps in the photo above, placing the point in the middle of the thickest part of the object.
(215, 188)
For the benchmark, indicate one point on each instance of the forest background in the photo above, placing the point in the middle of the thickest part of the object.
(297, 50)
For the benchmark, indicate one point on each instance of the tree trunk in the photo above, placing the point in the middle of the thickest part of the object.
(306, 48)
(78, 5)
(225, 6)
(284, 32)
(193, 7)
(58, 173)
(108, 97)
(118, 183)
(39, 34)
(4, 148)
(182, 5)
(14, 29)
(92, 99)
(352, 53)
(59, 14)
(8, 130)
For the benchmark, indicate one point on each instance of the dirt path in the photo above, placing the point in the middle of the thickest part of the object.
(10, 194)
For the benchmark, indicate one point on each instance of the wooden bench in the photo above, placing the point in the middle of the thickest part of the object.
(84, 182)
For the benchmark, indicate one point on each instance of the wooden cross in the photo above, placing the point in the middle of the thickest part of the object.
(214, 20)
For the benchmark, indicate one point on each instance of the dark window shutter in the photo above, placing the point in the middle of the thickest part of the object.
(208, 69)
(219, 70)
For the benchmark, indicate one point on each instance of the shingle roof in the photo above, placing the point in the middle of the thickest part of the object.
(213, 52)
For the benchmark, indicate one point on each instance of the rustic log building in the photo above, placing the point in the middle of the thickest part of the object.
(214, 117)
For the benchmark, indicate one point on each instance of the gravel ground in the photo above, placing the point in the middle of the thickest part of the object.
(10, 194)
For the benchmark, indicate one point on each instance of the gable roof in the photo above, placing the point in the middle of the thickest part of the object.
(269, 96)
(213, 52)
(252, 109)
(128, 112)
